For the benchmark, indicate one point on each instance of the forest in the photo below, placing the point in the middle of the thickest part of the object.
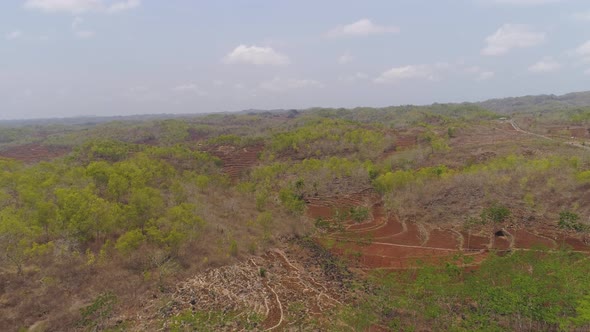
(450, 217)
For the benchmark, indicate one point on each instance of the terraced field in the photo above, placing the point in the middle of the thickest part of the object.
(385, 242)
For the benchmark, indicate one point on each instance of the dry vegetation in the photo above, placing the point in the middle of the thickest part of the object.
(255, 221)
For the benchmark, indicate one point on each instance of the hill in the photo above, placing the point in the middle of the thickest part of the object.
(537, 103)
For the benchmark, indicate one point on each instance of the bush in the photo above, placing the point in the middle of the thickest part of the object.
(496, 212)
(569, 220)
(95, 315)
(130, 241)
(359, 213)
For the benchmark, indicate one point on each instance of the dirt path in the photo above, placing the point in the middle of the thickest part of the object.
(520, 130)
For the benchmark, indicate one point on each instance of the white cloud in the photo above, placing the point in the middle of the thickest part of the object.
(511, 36)
(587, 72)
(76, 23)
(12, 35)
(345, 58)
(189, 88)
(123, 5)
(72, 6)
(397, 74)
(473, 69)
(479, 73)
(80, 6)
(363, 27)
(359, 76)
(255, 55)
(545, 65)
(582, 16)
(524, 2)
(485, 75)
(583, 51)
(84, 34)
(277, 84)
(79, 31)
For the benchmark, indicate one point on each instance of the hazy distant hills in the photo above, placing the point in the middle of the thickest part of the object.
(537, 103)
(501, 105)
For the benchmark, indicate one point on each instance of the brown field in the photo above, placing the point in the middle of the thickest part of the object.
(34, 152)
(235, 159)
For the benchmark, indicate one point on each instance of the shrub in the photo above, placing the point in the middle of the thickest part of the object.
(94, 315)
(130, 241)
(569, 220)
(359, 213)
(496, 212)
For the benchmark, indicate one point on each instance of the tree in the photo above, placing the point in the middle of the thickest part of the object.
(83, 214)
(46, 216)
(496, 212)
(144, 205)
(15, 238)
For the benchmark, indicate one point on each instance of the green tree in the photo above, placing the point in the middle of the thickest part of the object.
(16, 238)
(496, 212)
(145, 204)
(130, 241)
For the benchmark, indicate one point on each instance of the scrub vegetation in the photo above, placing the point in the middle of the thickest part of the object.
(102, 224)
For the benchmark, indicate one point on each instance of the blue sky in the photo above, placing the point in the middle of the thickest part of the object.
(118, 57)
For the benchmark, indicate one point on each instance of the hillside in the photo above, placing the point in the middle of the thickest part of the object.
(446, 217)
(537, 103)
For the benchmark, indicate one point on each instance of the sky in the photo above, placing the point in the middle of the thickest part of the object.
(63, 58)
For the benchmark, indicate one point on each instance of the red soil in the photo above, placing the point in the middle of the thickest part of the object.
(405, 142)
(501, 243)
(384, 242)
(475, 242)
(524, 239)
(380, 229)
(575, 244)
(236, 160)
(410, 237)
(34, 152)
(443, 239)
(317, 211)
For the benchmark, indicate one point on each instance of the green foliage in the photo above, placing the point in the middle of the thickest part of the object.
(84, 214)
(141, 190)
(94, 316)
(391, 181)
(109, 150)
(180, 224)
(233, 247)
(496, 213)
(16, 237)
(451, 132)
(322, 224)
(436, 142)
(584, 176)
(580, 115)
(318, 137)
(130, 241)
(359, 213)
(225, 140)
(400, 179)
(173, 131)
(291, 201)
(213, 321)
(537, 289)
(570, 221)
(582, 317)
